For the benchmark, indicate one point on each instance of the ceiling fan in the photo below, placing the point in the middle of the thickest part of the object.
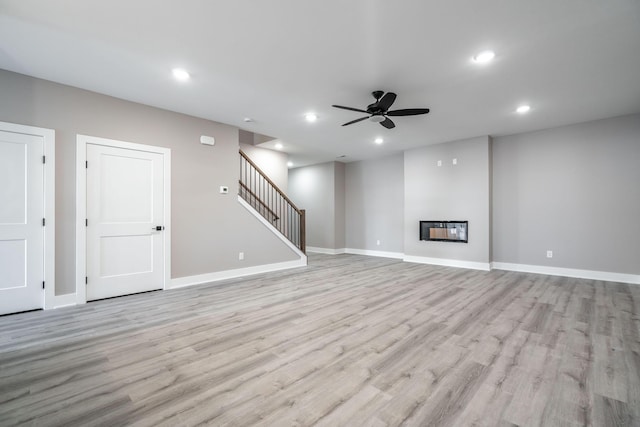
(379, 110)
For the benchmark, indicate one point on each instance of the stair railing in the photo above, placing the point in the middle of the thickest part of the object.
(259, 191)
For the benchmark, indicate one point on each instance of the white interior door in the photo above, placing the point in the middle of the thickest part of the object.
(125, 251)
(21, 222)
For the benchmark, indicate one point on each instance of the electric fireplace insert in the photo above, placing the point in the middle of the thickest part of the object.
(445, 231)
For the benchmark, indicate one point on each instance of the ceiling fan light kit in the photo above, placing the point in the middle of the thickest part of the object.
(484, 57)
(378, 112)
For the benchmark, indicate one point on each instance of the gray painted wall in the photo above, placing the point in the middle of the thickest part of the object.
(339, 197)
(272, 163)
(523, 194)
(448, 192)
(574, 190)
(312, 188)
(375, 204)
(320, 190)
(208, 228)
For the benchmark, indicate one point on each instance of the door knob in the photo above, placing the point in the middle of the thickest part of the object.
(158, 228)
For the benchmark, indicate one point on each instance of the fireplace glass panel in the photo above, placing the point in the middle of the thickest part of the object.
(445, 231)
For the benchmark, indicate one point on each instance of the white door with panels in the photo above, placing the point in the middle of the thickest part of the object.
(125, 222)
(22, 214)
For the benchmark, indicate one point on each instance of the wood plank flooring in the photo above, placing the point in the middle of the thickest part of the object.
(347, 341)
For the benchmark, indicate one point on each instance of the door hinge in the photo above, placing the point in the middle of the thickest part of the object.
(86, 280)
(86, 222)
(43, 222)
(42, 284)
(86, 164)
(44, 159)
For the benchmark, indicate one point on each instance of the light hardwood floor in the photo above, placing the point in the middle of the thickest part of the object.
(348, 341)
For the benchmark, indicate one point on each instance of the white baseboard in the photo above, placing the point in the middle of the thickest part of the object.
(568, 272)
(68, 300)
(382, 254)
(485, 266)
(65, 300)
(326, 251)
(199, 279)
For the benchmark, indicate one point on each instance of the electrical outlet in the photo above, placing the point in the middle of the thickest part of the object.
(378, 242)
(241, 256)
(549, 254)
(439, 162)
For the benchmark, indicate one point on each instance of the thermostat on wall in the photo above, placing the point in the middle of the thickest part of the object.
(207, 140)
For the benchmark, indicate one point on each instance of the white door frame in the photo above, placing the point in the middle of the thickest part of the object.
(81, 206)
(49, 138)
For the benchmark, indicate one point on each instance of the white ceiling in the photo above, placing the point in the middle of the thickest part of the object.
(273, 61)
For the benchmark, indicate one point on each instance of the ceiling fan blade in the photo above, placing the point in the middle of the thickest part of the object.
(356, 121)
(350, 109)
(388, 123)
(408, 112)
(386, 101)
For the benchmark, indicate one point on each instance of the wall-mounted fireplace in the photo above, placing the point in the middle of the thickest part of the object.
(445, 231)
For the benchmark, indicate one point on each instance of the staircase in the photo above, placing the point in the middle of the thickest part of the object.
(268, 200)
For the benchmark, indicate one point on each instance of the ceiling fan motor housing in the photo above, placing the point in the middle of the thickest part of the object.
(374, 109)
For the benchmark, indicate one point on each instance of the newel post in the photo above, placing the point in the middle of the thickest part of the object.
(303, 231)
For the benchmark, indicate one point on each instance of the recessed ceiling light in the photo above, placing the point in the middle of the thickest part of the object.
(484, 57)
(523, 109)
(180, 74)
(278, 146)
(311, 117)
(247, 120)
(289, 164)
(378, 140)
